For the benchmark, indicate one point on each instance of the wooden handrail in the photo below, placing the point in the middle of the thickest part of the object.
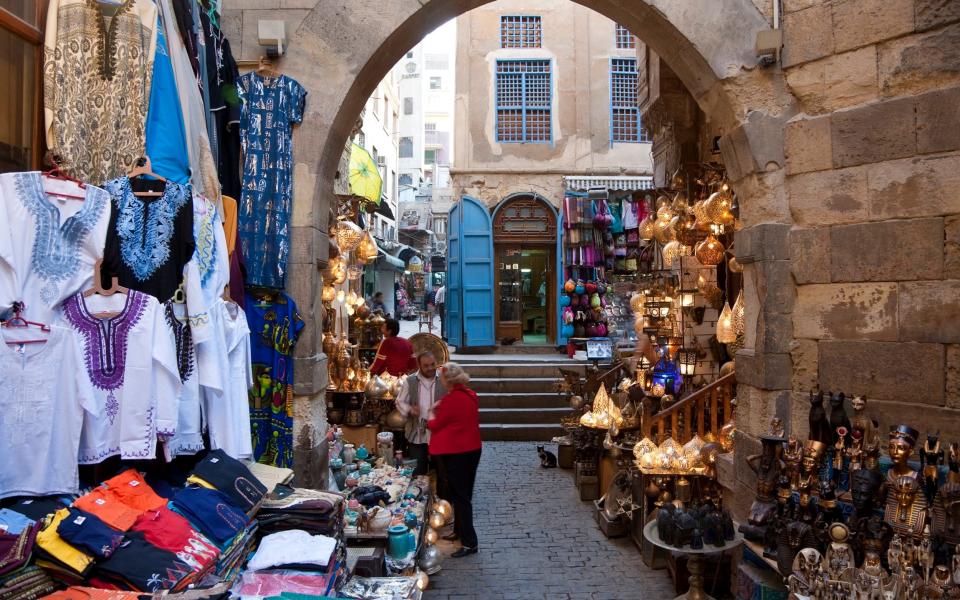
(704, 411)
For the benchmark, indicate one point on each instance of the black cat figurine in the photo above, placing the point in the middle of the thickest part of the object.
(838, 417)
(548, 460)
(819, 426)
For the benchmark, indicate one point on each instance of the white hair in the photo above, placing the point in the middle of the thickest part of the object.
(454, 374)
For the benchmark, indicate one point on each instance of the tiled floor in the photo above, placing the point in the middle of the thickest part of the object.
(539, 541)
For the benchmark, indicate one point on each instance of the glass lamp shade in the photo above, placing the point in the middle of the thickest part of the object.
(648, 228)
(636, 303)
(663, 231)
(700, 213)
(354, 272)
(348, 235)
(718, 208)
(725, 330)
(680, 203)
(710, 251)
(367, 251)
(687, 298)
(739, 323)
(664, 210)
(328, 294)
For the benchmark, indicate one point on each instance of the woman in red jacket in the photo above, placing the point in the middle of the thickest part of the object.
(455, 443)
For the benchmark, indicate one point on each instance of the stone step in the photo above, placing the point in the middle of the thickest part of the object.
(532, 432)
(518, 416)
(501, 370)
(523, 400)
(513, 385)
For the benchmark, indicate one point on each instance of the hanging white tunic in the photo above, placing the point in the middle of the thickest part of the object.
(189, 436)
(132, 364)
(207, 273)
(43, 394)
(227, 410)
(53, 242)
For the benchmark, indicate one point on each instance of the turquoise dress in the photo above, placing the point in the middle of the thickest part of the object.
(166, 134)
(271, 106)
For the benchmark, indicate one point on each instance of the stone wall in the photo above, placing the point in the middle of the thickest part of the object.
(844, 158)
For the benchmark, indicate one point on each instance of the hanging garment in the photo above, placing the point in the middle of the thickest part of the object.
(203, 166)
(271, 106)
(229, 222)
(208, 71)
(96, 86)
(226, 408)
(43, 394)
(188, 439)
(228, 122)
(208, 272)
(274, 328)
(166, 135)
(150, 240)
(53, 241)
(131, 362)
(631, 212)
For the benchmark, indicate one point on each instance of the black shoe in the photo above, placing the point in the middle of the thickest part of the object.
(451, 537)
(464, 551)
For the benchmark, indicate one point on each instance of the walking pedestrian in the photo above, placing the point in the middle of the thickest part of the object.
(455, 444)
(441, 300)
(418, 395)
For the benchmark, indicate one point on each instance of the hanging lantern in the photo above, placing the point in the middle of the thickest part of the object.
(739, 323)
(648, 228)
(710, 251)
(725, 330)
(734, 265)
(354, 272)
(336, 270)
(688, 361)
(367, 251)
(341, 295)
(348, 235)
(718, 207)
(328, 294)
(604, 413)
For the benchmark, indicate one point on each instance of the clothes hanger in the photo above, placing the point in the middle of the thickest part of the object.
(145, 168)
(17, 321)
(57, 173)
(266, 68)
(97, 288)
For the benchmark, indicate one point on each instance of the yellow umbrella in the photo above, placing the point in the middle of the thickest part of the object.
(364, 176)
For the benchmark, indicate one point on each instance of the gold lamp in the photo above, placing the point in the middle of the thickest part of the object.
(367, 250)
(348, 234)
(710, 251)
(726, 334)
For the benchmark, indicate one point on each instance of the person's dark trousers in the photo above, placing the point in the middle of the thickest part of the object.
(441, 309)
(421, 453)
(461, 471)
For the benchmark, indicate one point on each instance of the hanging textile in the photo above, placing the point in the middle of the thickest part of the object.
(98, 64)
(227, 112)
(271, 106)
(227, 408)
(53, 241)
(166, 136)
(149, 240)
(189, 436)
(275, 325)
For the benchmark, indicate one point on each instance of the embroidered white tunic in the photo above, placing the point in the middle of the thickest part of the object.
(189, 436)
(207, 273)
(131, 363)
(43, 394)
(53, 242)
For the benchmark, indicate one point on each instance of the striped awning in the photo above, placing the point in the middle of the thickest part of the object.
(609, 182)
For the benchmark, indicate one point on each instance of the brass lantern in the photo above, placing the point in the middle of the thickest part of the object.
(348, 235)
(710, 251)
(367, 251)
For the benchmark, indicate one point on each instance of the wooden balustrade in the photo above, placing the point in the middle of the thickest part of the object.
(704, 411)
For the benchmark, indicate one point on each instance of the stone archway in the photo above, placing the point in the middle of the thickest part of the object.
(842, 155)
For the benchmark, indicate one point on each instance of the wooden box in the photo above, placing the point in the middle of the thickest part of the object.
(366, 435)
(612, 528)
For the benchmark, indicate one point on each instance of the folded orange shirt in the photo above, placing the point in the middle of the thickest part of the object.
(103, 503)
(131, 489)
(89, 593)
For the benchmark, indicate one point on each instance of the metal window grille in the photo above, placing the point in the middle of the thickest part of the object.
(624, 38)
(520, 32)
(624, 114)
(524, 97)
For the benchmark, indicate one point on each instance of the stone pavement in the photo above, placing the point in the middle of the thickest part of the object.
(539, 541)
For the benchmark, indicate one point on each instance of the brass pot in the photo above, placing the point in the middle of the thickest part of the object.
(395, 420)
(376, 389)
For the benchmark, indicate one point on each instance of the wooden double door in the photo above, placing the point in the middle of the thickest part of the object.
(525, 292)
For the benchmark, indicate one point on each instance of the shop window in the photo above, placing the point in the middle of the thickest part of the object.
(624, 38)
(518, 31)
(406, 178)
(524, 101)
(408, 106)
(362, 139)
(406, 147)
(624, 114)
(429, 156)
(20, 114)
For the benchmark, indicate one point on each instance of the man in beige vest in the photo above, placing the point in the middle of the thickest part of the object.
(419, 393)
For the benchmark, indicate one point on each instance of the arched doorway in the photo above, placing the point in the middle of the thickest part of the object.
(525, 267)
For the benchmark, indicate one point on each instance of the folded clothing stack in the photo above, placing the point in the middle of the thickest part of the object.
(26, 582)
(287, 561)
(314, 511)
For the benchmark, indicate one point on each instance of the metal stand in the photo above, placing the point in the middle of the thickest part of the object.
(694, 560)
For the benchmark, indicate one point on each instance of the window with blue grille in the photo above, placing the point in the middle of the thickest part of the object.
(518, 31)
(624, 38)
(624, 114)
(524, 96)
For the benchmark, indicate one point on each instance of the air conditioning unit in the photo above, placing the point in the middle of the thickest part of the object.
(381, 161)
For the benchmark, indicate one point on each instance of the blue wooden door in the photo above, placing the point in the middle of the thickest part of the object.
(561, 339)
(470, 274)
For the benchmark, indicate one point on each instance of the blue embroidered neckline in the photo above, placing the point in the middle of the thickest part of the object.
(56, 245)
(145, 228)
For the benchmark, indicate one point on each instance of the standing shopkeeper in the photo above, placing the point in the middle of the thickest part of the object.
(395, 354)
(455, 444)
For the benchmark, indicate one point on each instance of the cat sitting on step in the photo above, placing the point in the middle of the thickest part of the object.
(548, 460)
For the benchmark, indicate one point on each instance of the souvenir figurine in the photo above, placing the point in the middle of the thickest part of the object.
(727, 521)
(925, 553)
(806, 575)
(810, 468)
(839, 555)
(868, 428)
(838, 416)
(930, 459)
(955, 564)
(941, 579)
(870, 578)
(839, 452)
(791, 539)
(874, 534)
(906, 509)
(903, 439)
(665, 524)
(792, 457)
(864, 488)
(776, 427)
(819, 426)
(946, 511)
(767, 465)
(855, 451)
(895, 557)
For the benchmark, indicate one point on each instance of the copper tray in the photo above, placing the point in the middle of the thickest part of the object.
(428, 341)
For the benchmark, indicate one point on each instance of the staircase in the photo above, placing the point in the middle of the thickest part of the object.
(518, 396)
(703, 411)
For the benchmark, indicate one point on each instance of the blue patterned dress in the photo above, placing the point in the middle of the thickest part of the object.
(271, 106)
